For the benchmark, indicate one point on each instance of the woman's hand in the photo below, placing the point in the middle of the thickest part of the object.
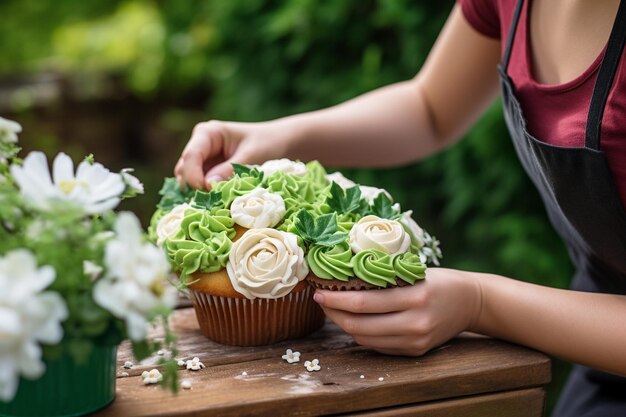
(215, 145)
(410, 320)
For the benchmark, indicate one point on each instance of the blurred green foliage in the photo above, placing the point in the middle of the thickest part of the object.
(260, 59)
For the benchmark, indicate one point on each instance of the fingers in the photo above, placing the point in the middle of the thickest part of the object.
(391, 324)
(387, 301)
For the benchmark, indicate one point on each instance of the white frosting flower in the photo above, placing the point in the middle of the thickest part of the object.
(9, 130)
(291, 356)
(28, 316)
(370, 193)
(152, 377)
(195, 364)
(341, 180)
(313, 365)
(133, 185)
(372, 232)
(283, 165)
(93, 188)
(169, 224)
(135, 285)
(266, 263)
(416, 232)
(258, 209)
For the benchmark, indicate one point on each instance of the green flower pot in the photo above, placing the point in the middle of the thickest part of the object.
(67, 388)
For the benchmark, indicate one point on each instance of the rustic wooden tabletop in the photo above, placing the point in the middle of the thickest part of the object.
(468, 376)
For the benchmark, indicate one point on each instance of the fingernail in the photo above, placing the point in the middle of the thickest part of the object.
(213, 178)
(319, 298)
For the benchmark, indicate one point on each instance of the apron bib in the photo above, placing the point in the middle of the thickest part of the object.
(584, 207)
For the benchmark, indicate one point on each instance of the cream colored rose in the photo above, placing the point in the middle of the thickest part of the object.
(169, 224)
(370, 193)
(341, 180)
(414, 229)
(283, 165)
(258, 209)
(372, 232)
(266, 263)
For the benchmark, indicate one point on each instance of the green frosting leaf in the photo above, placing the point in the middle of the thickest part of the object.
(382, 207)
(322, 230)
(331, 263)
(207, 200)
(173, 195)
(235, 187)
(243, 170)
(344, 201)
(409, 267)
(374, 267)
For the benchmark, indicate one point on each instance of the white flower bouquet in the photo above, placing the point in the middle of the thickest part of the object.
(76, 279)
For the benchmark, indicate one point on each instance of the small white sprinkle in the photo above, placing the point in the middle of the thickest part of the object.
(381, 379)
(128, 364)
(244, 373)
(185, 384)
(124, 374)
(161, 352)
(362, 376)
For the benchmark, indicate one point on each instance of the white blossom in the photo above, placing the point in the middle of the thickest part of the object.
(195, 364)
(133, 185)
(341, 180)
(291, 356)
(151, 377)
(93, 188)
(92, 269)
(373, 232)
(257, 209)
(135, 285)
(28, 316)
(9, 130)
(128, 365)
(283, 165)
(312, 366)
(370, 193)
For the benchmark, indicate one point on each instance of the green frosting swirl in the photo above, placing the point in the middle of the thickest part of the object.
(374, 267)
(331, 262)
(188, 256)
(203, 241)
(316, 174)
(294, 189)
(235, 187)
(409, 267)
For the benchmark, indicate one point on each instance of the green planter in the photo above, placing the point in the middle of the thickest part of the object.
(67, 389)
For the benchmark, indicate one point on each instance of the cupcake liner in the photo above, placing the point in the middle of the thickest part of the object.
(353, 284)
(244, 322)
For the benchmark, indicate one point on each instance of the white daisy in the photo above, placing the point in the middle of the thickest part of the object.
(313, 365)
(291, 356)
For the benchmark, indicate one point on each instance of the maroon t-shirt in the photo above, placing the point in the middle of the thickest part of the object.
(557, 113)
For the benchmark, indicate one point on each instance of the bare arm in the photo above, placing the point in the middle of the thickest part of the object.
(389, 126)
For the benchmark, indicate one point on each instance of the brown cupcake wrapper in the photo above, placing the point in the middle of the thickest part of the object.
(353, 284)
(244, 322)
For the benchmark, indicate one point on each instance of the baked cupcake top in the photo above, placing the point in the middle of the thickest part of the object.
(268, 225)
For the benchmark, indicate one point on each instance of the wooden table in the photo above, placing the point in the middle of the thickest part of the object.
(469, 376)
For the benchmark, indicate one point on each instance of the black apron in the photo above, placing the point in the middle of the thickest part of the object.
(583, 205)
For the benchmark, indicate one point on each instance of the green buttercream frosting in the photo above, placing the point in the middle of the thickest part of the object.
(189, 256)
(331, 262)
(203, 241)
(409, 267)
(235, 187)
(316, 174)
(374, 267)
(292, 188)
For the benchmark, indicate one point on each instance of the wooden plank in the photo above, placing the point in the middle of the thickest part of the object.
(519, 403)
(465, 366)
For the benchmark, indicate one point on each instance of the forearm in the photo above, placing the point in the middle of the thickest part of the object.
(388, 126)
(586, 328)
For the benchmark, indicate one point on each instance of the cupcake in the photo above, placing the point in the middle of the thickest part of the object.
(243, 269)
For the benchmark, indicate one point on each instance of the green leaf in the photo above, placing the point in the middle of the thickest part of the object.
(173, 195)
(382, 207)
(322, 231)
(344, 201)
(207, 200)
(246, 171)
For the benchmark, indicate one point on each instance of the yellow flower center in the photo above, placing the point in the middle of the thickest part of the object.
(67, 186)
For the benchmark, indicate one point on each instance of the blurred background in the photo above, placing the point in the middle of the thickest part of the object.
(127, 81)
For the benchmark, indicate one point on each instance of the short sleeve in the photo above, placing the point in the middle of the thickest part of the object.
(482, 15)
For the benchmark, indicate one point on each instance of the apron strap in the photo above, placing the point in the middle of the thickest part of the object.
(605, 78)
(509, 41)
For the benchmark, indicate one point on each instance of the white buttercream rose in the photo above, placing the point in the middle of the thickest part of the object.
(169, 224)
(341, 180)
(283, 165)
(370, 193)
(258, 209)
(266, 263)
(372, 232)
(414, 229)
